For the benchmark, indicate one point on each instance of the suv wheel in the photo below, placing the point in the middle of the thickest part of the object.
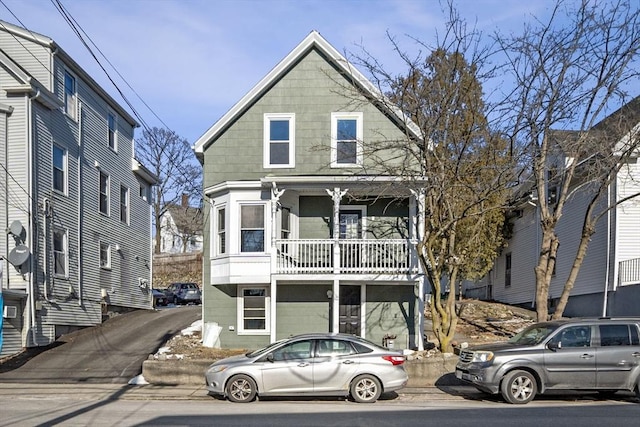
(518, 387)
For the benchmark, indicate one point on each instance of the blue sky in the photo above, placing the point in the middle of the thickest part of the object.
(191, 60)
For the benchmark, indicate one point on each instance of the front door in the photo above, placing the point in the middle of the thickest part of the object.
(350, 310)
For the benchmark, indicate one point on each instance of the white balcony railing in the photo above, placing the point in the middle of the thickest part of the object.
(316, 256)
(629, 272)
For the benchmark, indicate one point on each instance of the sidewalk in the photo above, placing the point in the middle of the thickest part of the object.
(181, 392)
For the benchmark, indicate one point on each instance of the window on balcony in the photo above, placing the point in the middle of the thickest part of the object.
(285, 223)
(279, 140)
(253, 310)
(346, 137)
(252, 228)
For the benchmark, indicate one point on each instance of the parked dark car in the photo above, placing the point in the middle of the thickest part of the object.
(183, 293)
(159, 298)
(310, 365)
(579, 354)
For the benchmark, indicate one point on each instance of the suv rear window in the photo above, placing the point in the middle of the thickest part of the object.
(616, 335)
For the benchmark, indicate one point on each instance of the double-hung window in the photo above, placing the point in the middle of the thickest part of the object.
(253, 310)
(60, 252)
(124, 204)
(279, 140)
(221, 231)
(104, 193)
(112, 128)
(59, 169)
(252, 228)
(346, 139)
(70, 103)
(105, 255)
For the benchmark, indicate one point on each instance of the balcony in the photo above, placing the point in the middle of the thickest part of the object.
(629, 273)
(352, 256)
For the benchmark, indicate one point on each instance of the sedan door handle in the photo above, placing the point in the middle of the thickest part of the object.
(586, 356)
(302, 365)
(636, 354)
(347, 362)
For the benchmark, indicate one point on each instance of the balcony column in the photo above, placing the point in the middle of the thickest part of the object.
(336, 195)
(275, 202)
(416, 233)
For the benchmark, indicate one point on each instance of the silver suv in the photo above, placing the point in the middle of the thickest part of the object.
(586, 354)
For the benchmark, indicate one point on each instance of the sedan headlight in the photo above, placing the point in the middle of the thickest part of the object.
(217, 368)
(482, 356)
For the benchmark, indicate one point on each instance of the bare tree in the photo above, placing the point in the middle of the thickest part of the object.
(458, 168)
(171, 159)
(567, 73)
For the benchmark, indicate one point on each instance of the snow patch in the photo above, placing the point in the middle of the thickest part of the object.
(139, 380)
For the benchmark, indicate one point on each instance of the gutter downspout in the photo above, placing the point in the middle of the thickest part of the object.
(31, 321)
(80, 202)
(605, 299)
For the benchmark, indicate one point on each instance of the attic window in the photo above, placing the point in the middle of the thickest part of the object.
(346, 138)
(279, 140)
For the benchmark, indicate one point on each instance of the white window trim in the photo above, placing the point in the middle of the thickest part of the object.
(65, 170)
(108, 265)
(291, 117)
(363, 215)
(65, 232)
(73, 116)
(358, 116)
(266, 241)
(127, 204)
(240, 307)
(115, 130)
(108, 213)
(216, 236)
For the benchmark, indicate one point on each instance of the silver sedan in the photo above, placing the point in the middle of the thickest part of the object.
(310, 365)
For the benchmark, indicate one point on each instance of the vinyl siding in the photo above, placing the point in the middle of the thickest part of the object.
(34, 58)
(312, 91)
(628, 213)
(302, 309)
(391, 309)
(12, 328)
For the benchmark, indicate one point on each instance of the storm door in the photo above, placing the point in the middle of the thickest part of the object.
(350, 229)
(350, 310)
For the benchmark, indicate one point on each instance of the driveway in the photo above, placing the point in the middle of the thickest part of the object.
(109, 353)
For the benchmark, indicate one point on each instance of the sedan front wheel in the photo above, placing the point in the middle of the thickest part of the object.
(241, 389)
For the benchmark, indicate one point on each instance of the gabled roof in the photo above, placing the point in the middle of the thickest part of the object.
(55, 49)
(188, 220)
(313, 40)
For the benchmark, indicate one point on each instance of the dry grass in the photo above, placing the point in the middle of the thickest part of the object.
(479, 322)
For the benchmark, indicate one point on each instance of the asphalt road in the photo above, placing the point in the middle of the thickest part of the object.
(109, 353)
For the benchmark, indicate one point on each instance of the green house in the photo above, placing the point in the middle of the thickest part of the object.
(303, 232)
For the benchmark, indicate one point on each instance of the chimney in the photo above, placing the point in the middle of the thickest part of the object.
(185, 200)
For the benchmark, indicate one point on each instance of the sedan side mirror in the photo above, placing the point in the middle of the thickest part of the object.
(269, 357)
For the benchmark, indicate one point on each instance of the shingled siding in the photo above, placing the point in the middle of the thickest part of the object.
(169, 268)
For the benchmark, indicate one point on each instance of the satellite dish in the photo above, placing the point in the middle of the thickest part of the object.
(18, 255)
(16, 228)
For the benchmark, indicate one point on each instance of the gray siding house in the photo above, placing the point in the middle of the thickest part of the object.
(301, 234)
(609, 281)
(74, 199)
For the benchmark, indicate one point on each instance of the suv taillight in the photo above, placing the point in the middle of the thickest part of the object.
(395, 360)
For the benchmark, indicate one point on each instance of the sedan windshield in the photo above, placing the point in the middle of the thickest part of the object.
(533, 334)
(263, 350)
